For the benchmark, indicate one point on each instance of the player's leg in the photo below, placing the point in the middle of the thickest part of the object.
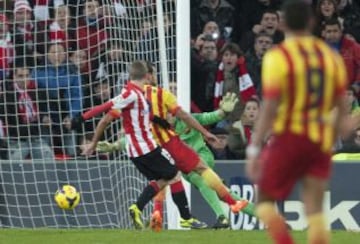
(276, 227)
(208, 158)
(207, 193)
(157, 168)
(215, 183)
(157, 214)
(277, 158)
(179, 197)
(313, 195)
(314, 185)
(210, 197)
(187, 160)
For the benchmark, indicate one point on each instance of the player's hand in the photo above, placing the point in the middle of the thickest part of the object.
(211, 138)
(88, 149)
(105, 146)
(228, 102)
(252, 163)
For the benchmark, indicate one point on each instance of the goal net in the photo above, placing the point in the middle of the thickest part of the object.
(57, 59)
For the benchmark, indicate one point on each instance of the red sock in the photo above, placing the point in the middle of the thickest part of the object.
(159, 202)
(276, 226)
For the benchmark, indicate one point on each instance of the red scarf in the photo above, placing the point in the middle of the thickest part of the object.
(248, 133)
(246, 86)
(57, 35)
(28, 111)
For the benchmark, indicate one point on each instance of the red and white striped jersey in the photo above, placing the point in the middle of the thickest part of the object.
(135, 112)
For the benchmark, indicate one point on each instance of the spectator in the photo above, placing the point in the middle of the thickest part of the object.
(147, 43)
(6, 47)
(269, 23)
(61, 30)
(211, 28)
(249, 14)
(26, 117)
(23, 31)
(352, 145)
(111, 65)
(63, 86)
(352, 101)
(219, 11)
(91, 35)
(241, 131)
(221, 149)
(232, 76)
(348, 49)
(253, 56)
(203, 73)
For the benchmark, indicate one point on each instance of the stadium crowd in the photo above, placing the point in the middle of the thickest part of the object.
(60, 57)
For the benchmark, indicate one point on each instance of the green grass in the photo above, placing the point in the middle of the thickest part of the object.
(97, 236)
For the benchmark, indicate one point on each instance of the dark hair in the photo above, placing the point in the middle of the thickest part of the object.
(233, 48)
(331, 21)
(138, 70)
(219, 131)
(263, 33)
(271, 11)
(255, 100)
(297, 14)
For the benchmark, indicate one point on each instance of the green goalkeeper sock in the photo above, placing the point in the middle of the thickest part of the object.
(208, 194)
(250, 207)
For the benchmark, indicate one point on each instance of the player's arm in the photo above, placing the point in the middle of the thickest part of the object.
(178, 112)
(193, 123)
(120, 102)
(99, 131)
(227, 105)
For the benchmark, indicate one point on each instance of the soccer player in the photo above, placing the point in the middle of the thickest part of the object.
(154, 162)
(303, 81)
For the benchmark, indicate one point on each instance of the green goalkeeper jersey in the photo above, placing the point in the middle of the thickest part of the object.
(192, 137)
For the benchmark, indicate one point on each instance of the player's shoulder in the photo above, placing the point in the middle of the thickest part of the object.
(274, 55)
(326, 49)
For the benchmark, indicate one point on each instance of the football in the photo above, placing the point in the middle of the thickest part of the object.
(67, 197)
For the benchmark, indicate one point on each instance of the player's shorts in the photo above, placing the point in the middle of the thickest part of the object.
(185, 157)
(287, 159)
(158, 164)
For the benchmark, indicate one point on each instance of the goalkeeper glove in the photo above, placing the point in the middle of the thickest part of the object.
(228, 102)
(105, 146)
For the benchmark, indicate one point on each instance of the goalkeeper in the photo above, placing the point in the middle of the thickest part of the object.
(195, 140)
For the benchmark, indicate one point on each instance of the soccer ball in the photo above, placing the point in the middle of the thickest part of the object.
(67, 197)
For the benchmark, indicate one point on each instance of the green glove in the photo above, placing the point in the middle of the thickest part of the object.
(105, 146)
(228, 102)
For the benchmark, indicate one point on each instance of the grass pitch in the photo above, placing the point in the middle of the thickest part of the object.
(97, 236)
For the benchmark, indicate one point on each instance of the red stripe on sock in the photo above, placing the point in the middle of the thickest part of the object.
(158, 206)
(228, 199)
(177, 187)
